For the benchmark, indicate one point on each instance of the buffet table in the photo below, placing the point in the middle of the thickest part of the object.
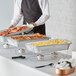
(23, 67)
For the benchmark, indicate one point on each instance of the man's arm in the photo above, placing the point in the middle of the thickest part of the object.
(17, 13)
(44, 5)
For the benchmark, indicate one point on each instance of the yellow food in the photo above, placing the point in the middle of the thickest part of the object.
(49, 42)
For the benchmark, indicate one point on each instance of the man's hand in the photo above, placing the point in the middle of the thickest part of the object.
(34, 24)
(11, 26)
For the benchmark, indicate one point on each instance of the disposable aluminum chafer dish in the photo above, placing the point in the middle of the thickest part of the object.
(48, 48)
(4, 38)
(21, 43)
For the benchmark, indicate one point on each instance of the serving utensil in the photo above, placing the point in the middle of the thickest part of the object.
(22, 57)
(21, 51)
(51, 64)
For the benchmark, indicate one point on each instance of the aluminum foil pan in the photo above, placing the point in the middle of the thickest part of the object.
(21, 43)
(47, 48)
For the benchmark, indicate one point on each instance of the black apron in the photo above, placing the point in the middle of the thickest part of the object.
(31, 13)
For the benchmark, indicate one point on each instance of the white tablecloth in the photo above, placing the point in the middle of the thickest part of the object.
(30, 61)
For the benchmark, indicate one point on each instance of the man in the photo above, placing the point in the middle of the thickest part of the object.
(32, 11)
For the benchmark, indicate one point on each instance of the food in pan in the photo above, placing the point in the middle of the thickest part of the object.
(35, 36)
(49, 42)
(13, 30)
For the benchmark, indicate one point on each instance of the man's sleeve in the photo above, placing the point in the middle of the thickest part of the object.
(17, 13)
(44, 5)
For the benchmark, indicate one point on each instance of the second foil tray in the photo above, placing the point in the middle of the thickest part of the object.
(21, 43)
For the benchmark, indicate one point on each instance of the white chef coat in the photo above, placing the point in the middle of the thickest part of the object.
(44, 5)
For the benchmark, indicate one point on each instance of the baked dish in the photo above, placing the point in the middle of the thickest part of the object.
(49, 42)
(35, 36)
(13, 30)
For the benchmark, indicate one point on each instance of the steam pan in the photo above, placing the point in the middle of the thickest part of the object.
(21, 43)
(48, 48)
(4, 38)
(26, 30)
